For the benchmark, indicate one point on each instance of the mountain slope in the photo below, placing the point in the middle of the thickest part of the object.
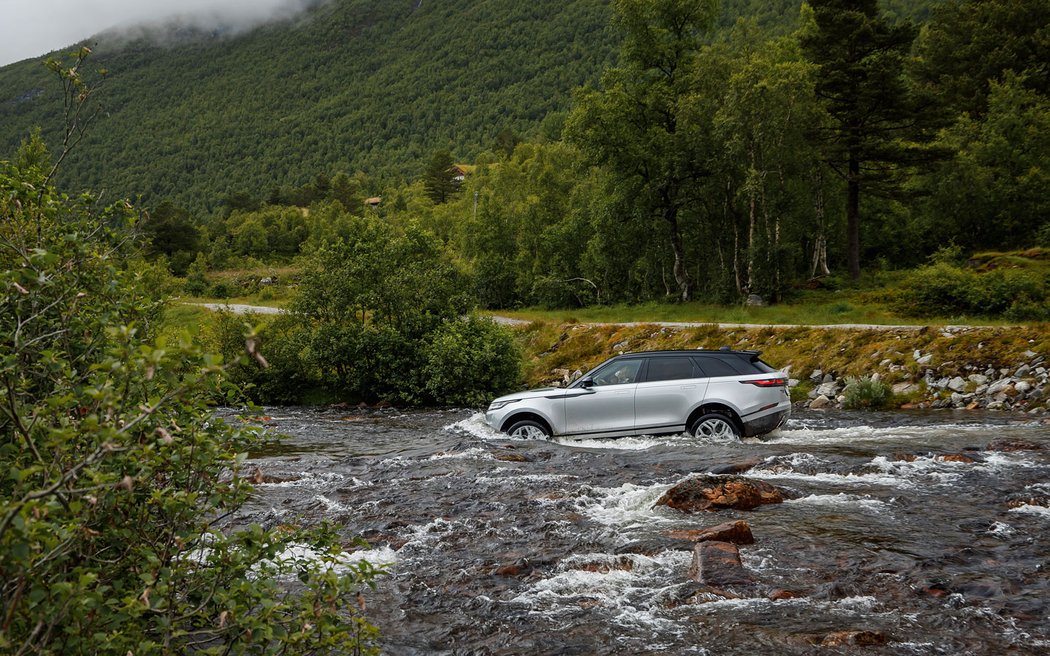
(351, 85)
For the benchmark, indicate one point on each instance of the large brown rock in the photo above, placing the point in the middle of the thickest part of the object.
(718, 564)
(712, 492)
(738, 532)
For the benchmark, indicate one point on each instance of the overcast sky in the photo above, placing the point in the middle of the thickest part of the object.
(29, 28)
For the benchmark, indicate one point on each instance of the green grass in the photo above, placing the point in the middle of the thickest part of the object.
(179, 318)
(819, 309)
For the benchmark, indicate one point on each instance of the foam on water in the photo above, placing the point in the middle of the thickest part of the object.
(843, 500)
(1001, 529)
(625, 585)
(1030, 509)
(475, 425)
(807, 433)
(475, 453)
(639, 443)
(308, 479)
(298, 557)
(627, 506)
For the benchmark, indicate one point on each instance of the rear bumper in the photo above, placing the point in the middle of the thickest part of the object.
(766, 423)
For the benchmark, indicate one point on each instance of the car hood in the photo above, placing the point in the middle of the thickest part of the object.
(548, 392)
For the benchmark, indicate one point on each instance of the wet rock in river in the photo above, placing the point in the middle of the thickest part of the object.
(718, 564)
(853, 638)
(1022, 501)
(779, 594)
(511, 457)
(1004, 444)
(714, 492)
(954, 457)
(738, 532)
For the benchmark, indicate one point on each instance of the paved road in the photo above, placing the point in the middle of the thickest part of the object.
(509, 321)
(240, 309)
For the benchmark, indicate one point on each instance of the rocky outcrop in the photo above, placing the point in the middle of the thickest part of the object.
(1024, 386)
(738, 532)
(714, 492)
(718, 564)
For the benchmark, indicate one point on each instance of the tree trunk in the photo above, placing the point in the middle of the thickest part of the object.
(681, 273)
(820, 242)
(853, 216)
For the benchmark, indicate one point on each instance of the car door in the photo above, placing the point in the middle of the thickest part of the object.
(607, 404)
(672, 387)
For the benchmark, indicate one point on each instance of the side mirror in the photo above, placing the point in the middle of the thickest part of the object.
(586, 382)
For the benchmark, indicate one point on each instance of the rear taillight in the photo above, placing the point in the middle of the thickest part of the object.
(767, 382)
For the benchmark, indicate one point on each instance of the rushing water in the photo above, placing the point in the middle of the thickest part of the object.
(498, 546)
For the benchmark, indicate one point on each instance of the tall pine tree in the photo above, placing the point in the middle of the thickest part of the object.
(875, 116)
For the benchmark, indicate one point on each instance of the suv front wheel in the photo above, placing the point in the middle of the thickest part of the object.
(529, 430)
(715, 425)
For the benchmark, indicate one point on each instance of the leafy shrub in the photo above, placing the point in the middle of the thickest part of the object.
(865, 393)
(220, 290)
(944, 290)
(196, 280)
(467, 361)
(118, 475)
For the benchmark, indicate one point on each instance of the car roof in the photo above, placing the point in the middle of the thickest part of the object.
(721, 351)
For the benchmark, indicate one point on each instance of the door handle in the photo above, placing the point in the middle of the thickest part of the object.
(688, 386)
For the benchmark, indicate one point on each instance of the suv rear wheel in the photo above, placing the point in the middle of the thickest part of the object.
(529, 430)
(715, 425)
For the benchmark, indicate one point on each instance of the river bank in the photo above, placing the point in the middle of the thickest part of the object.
(993, 368)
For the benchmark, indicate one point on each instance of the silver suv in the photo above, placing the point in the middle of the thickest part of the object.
(718, 394)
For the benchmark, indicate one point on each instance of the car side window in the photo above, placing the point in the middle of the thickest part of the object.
(714, 367)
(620, 372)
(671, 368)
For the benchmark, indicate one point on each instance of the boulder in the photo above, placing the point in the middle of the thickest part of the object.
(718, 564)
(819, 402)
(904, 388)
(853, 638)
(738, 532)
(714, 492)
(978, 379)
(957, 384)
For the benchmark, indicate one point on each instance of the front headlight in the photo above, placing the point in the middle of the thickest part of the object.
(496, 405)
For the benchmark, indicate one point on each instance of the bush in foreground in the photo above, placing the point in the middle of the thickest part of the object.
(118, 481)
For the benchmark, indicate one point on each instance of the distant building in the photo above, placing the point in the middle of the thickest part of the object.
(460, 171)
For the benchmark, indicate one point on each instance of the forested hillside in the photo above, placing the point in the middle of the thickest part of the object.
(351, 85)
(354, 84)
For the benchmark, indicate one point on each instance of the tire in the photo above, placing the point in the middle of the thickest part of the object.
(529, 430)
(715, 425)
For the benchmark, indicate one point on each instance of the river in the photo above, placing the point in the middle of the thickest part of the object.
(498, 546)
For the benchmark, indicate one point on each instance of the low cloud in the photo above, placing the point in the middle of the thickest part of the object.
(31, 29)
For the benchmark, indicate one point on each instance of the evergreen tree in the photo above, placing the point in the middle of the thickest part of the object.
(873, 111)
(439, 177)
